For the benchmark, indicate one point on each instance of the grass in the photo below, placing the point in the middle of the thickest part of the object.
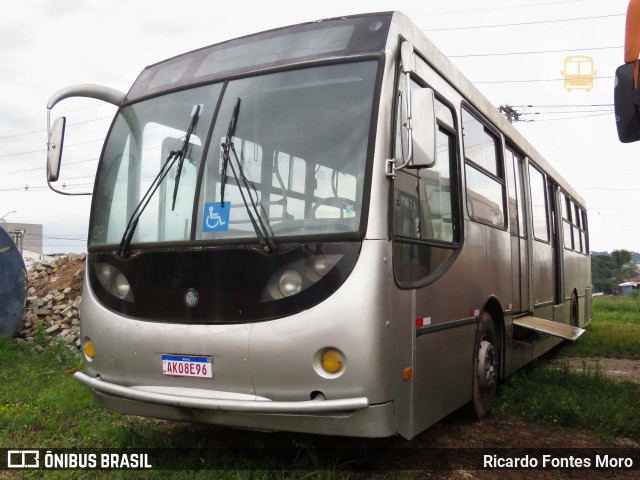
(563, 397)
(586, 399)
(613, 332)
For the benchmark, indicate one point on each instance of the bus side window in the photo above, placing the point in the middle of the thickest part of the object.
(538, 204)
(578, 230)
(484, 175)
(435, 189)
(517, 219)
(584, 232)
(425, 213)
(567, 231)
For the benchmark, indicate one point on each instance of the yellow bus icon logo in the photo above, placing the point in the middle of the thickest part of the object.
(578, 73)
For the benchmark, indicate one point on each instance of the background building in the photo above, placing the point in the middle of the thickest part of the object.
(28, 236)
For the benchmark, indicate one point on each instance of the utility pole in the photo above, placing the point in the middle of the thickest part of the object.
(17, 235)
(510, 112)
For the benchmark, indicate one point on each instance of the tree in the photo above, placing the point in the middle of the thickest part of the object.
(603, 267)
(624, 267)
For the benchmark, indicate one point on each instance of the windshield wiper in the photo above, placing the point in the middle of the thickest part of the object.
(173, 156)
(262, 231)
(183, 151)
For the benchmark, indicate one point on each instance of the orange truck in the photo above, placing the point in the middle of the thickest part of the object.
(626, 92)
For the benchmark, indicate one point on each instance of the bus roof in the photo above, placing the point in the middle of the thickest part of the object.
(327, 39)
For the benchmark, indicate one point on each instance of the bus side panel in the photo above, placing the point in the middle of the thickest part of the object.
(543, 277)
(497, 272)
(403, 335)
(114, 344)
(284, 354)
(443, 373)
(576, 270)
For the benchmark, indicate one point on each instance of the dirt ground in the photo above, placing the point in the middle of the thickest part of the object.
(619, 369)
(615, 368)
(513, 433)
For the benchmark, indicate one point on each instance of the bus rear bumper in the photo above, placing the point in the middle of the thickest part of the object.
(349, 416)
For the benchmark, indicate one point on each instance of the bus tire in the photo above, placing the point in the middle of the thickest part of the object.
(574, 317)
(486, 366)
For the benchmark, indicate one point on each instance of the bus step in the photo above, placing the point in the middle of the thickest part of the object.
(547, 326)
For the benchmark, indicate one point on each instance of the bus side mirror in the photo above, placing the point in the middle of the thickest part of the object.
(424, 128)
(54, 150)
(418, 121)
(626, 99)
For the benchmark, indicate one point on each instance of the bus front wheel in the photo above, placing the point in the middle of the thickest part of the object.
(486, 366)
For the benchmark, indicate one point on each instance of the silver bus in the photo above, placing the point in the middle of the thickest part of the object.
(322, 228)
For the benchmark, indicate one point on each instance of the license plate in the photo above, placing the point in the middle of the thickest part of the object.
(187, 366)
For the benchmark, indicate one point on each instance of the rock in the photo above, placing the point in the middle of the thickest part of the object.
(54, 295)
(52, 329)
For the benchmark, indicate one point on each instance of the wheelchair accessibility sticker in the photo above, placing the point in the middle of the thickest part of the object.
(216, 217)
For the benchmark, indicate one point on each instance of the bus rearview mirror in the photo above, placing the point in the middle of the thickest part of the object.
(54, 150)
(423, 128)
(626, 99)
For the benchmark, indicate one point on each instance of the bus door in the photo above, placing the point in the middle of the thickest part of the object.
(556, 243)
(543, 262)
(514, 163)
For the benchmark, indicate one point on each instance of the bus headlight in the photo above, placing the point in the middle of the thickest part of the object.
(114, 281)
(298, 276)
(121, 286)
(322, 264)
(290, 283)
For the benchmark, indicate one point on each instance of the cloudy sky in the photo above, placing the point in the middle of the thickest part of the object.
(512, 49)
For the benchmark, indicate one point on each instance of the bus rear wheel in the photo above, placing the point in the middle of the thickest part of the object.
(486, 367)
(575, 320)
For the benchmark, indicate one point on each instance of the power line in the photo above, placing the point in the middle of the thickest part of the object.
(539, 80)
(513, 115)
(80, 237)
(564, 112)
(41, 117)
(533, 52)
(616, 189)
(524, 23)
(565, 105)
(45, 131)
(39, 188)
(43, 166)
(566, 118)
(44, 149)
(504, 8)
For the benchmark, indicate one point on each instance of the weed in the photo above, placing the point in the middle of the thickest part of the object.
(562, 397)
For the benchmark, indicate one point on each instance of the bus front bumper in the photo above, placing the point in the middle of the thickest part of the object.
(206, 400)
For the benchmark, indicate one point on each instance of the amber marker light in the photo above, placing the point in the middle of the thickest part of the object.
(89, 349)
(332, 361)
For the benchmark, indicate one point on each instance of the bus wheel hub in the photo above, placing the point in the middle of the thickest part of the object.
(487, 361)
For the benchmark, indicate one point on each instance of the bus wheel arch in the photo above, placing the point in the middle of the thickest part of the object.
(487, 361)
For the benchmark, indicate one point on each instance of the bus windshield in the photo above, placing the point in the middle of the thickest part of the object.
(297, 159)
